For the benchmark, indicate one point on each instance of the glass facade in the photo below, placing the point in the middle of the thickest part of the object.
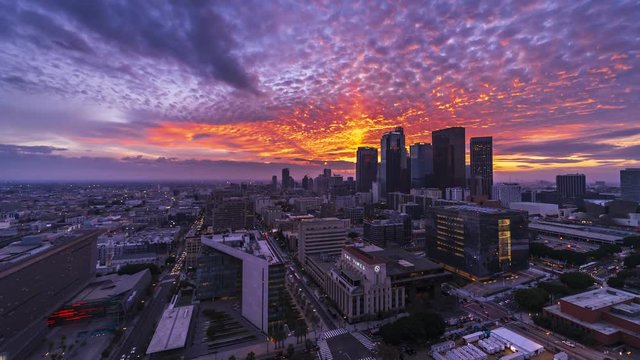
(218, 275)
(479, 242)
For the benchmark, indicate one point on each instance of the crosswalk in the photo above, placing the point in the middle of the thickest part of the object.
(333, 333)
(364, 340)
(325, 352)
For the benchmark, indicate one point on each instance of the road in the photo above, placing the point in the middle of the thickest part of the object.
(320, 310)
(553, 342)
(143, 329)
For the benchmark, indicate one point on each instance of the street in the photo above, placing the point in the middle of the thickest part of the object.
(140, 333)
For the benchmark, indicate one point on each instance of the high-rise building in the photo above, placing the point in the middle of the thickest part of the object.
(305, 182)
(571, 186)
(507, 193)
(481, 150)
(274, 182)
(449, 157)
(366, 168)
(324, 236)
(286, 179)
(421, 155)
(630, 184)
(245, 264)
(233, 213)
(478, 242)
(37, 276)
(326, 172)
(394, 172)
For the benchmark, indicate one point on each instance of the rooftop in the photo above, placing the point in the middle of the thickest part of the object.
(249, 242)
(109, 286)
(522, 343)
(479, 209)
(586, 231)
(599, 298)
(172, 330)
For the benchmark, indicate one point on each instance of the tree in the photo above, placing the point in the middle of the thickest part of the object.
(251, 356)
(616, 282)
(308, 345)
(577, 280)
(352, 235)
(301, 330)
(415, 328)
(531, 299)
(290, 351)
(632, 260)
(388, 352)
(232, 357)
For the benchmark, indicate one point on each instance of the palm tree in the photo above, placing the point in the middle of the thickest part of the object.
(301, 330)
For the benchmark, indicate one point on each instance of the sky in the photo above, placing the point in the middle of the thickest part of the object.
(182, 90)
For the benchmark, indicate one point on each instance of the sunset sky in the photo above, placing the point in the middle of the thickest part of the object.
(111, 90)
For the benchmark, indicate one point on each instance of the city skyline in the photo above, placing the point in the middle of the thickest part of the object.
(217, 95)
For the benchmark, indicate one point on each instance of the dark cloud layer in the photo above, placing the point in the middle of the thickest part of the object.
(555, 83)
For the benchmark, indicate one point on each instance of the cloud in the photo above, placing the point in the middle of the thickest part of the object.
(7, 149)
(307, 83)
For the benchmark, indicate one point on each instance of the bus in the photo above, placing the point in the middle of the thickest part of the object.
(588, 266)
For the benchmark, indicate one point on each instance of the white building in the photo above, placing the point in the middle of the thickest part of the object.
(506, 193)
(262, 273)
(324, 236)
(539, 209)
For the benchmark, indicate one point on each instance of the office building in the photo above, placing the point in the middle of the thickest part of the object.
(370, 282)
(366, 168)
(454, 194)
(609, 316)
(395, 231)
(233, 213)
(394, 170)
(571, 186)
(449, 157)
(506, 193)
(37, 276)
(245, 265)
(325, 236)
(478, 242)
(630, 184)
(421, 155)
(274, 182)
(481, 151)
(286, 179)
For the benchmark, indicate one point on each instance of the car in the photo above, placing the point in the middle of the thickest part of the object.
(569, 344)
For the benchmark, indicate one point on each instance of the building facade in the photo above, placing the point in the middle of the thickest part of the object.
(481, 151)
(421, 156)
(394, 170)
(366, 168)
(449, 157)
(371, 283)
(323, 236)
(571, 186)
(478, 242)
(507, 193)
(630, 184)
(248, 265)
(37, 283)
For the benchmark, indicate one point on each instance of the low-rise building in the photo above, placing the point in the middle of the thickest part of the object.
(608, 315)
(370, 282)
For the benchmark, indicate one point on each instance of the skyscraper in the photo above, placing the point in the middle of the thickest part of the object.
(571, 186)
(285, 179)
(481, 149)
(448, 157)
(630, 184)
(366, 168)
(421, 155)
(394, 172)
(274, 182)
